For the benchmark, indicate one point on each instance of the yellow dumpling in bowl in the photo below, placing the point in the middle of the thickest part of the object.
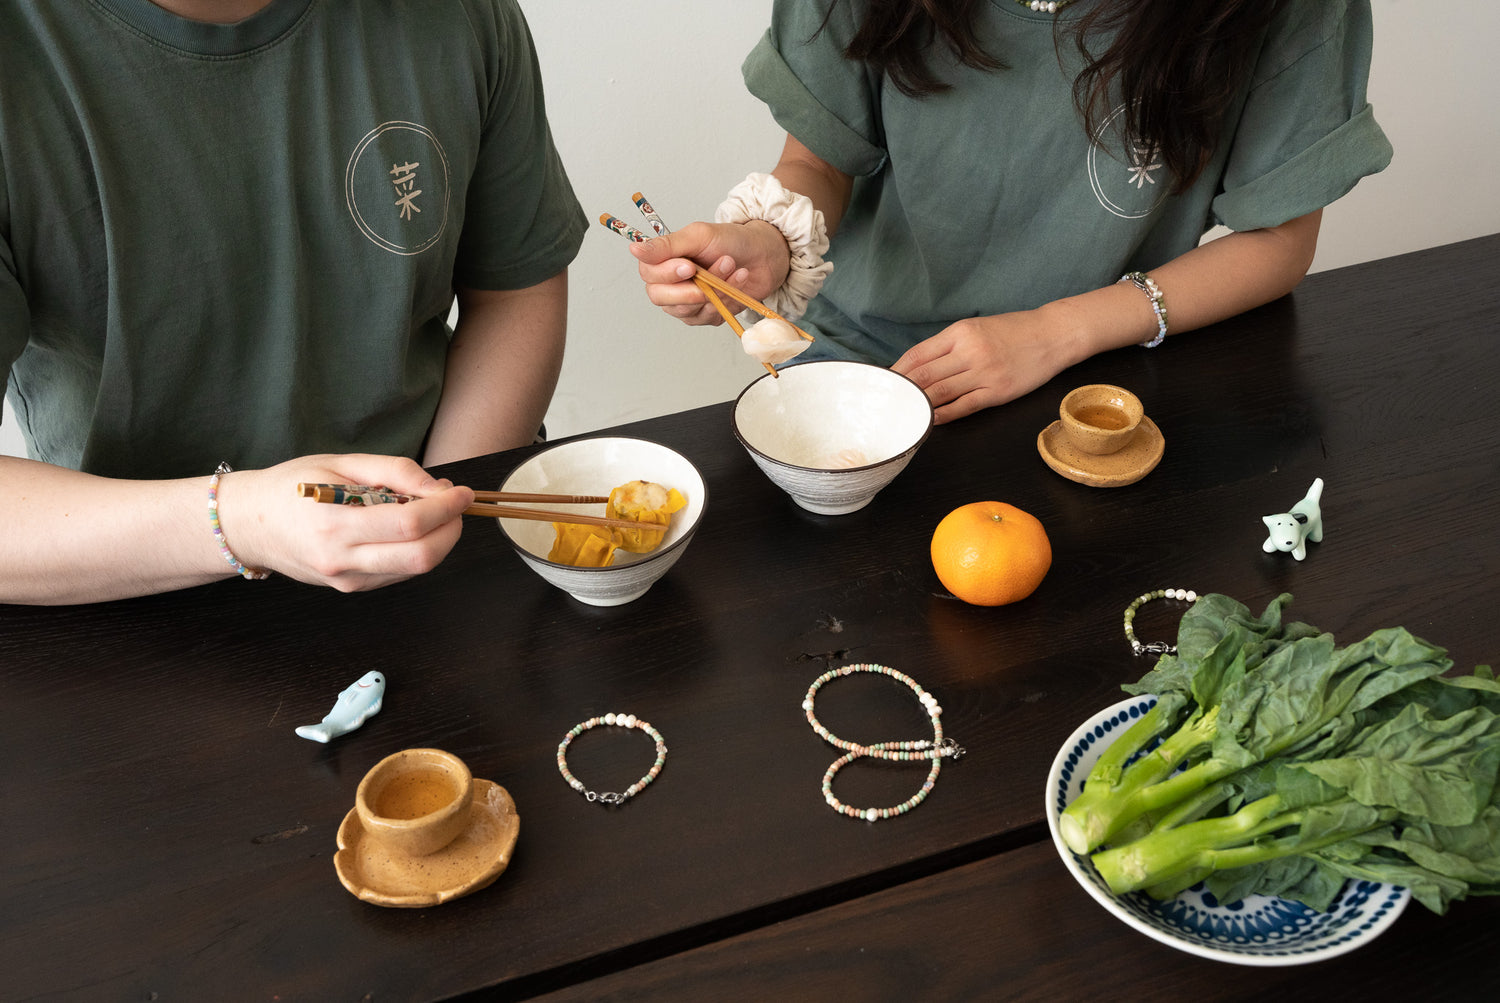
(594, 546)
(642, 501)
(582, 546)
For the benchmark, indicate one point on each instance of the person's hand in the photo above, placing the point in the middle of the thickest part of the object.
(750, 256)
(979, 362)
(351, 548)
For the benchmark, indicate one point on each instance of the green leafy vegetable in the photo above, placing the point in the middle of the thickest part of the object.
(1277, 762)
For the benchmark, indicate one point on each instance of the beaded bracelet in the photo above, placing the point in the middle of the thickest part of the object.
(934, 750)
(614, 721)
(1154, 647)
(213, 522)
(1147, 285)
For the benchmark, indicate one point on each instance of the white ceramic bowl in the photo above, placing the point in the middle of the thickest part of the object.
(1260, 929)
(596, 466)
(831, 434)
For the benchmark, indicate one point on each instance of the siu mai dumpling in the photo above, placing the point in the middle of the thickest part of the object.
(585, 546)
(643, 501)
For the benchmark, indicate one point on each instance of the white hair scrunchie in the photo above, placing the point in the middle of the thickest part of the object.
(762, 196)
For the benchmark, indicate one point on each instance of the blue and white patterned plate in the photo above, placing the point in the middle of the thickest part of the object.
(1259, 930)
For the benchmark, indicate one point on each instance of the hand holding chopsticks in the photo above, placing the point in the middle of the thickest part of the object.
(715, 290)
(486, 503)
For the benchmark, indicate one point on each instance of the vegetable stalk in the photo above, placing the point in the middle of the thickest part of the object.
(1113, 796)
(1286, 765)
(1218, 844)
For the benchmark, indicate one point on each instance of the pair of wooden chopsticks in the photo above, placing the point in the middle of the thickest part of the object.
(492, 503)
(486, 503)
(712, 286)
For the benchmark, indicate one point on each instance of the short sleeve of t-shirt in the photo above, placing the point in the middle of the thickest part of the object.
(523, 223)
(13, 311)
(830, 103)
(15, 323)
(1307, 133)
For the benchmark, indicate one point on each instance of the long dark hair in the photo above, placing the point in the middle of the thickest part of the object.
(1178, 65)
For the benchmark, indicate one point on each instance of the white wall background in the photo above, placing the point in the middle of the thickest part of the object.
(646, 96)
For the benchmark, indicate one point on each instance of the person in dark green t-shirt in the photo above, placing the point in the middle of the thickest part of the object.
(981, 194)
(235, 230)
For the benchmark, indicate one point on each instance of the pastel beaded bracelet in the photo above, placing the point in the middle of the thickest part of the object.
(1147, 285)
(1153, 647)
(935, 750)
(612, 721)
(213, 522)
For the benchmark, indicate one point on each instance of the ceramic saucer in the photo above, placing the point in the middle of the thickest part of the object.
(469, 863)
(1129, 465)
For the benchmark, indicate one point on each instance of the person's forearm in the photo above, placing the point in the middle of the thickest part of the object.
(1210, 283)
(67, 537)
(502, 368)
(804, 172)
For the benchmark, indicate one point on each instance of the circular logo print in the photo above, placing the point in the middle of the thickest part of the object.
(1128, 182)
(396, 185)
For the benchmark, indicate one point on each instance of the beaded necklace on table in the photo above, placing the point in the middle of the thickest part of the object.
(935, 750)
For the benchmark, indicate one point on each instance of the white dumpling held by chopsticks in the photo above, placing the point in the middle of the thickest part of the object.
(772, 341)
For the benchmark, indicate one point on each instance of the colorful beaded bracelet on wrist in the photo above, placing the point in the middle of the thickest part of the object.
(1147, 285)
(213, 522)
(613, 721)
(1153, 647)
(935, 750)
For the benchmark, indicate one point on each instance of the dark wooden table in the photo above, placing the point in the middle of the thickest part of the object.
(167, 836)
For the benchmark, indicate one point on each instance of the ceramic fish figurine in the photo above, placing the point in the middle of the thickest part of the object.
(354, 707)
(1290, 531)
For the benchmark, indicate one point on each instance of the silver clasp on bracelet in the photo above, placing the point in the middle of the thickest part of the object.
(1153, 647)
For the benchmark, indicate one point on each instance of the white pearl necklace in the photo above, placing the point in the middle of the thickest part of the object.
(1154, 647)
(934, 750)
(1045, 6)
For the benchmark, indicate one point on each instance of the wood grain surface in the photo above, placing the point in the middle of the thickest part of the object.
(167, 836)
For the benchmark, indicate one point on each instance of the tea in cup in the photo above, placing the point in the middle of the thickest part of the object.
(1100, 419)
(415, 802)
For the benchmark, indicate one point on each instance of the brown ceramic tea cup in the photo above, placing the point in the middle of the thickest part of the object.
(415, 802)
(1099, 418)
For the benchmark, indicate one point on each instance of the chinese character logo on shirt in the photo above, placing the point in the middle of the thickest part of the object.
(1129, 180)
(397, 187)
(404, 177)
(1142, 162)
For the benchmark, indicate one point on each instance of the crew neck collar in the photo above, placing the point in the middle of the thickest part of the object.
(202, 38)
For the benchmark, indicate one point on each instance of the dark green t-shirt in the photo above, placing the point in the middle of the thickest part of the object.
(989, 197)
(240, 241)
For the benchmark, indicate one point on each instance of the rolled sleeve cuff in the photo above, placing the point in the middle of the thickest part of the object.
(1314, 178)
(800, 113)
